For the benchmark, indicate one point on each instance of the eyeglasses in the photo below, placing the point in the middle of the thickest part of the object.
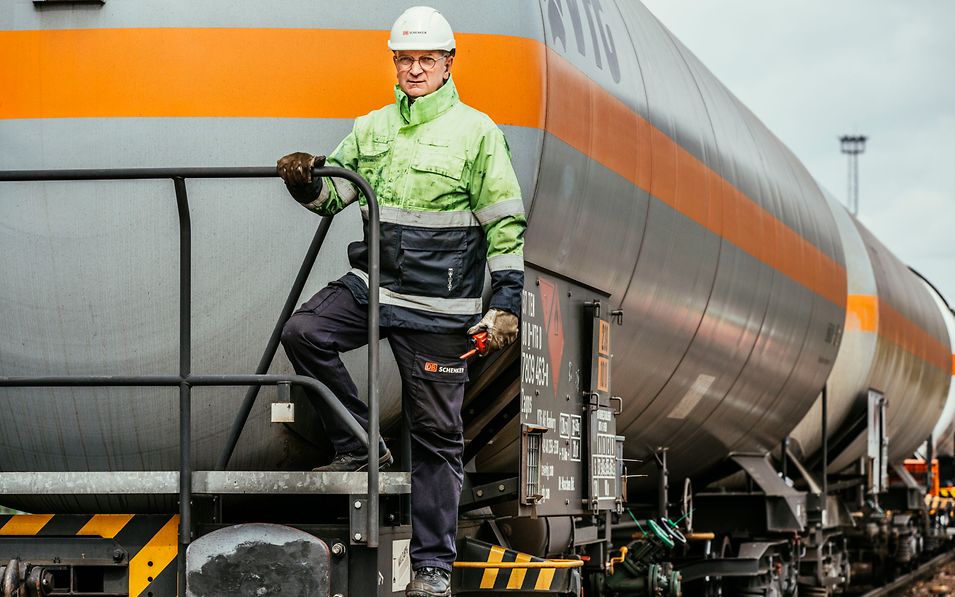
(426, 62)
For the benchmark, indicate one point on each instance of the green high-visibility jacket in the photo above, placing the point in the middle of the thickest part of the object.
(450, 206)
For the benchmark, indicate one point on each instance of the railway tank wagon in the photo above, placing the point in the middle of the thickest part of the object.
(895, 342)
(643, 177)
(648, 186)
(917, 377)
(944, 432)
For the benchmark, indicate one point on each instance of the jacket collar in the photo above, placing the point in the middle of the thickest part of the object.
(427, 107)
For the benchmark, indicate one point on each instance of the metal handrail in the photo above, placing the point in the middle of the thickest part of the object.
(185, 380)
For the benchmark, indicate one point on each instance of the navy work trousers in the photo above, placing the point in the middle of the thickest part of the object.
(432, 382)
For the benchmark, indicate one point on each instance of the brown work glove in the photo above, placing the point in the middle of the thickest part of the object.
(501, 328)
(296, 170)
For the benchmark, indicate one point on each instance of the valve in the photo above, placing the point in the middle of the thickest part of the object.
(673, 531)
(661, 534)
(479, 340)
(617, 559)
(628, 575)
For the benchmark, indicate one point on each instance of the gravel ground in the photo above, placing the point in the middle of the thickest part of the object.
(943, 583)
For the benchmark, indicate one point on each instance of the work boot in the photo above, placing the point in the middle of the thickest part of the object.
(429, 582)
(354, 461)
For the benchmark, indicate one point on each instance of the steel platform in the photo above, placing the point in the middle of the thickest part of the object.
(203, 482)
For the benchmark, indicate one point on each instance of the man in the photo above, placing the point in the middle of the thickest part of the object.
(450, 207)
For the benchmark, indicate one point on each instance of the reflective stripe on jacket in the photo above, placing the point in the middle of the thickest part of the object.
(450, 206)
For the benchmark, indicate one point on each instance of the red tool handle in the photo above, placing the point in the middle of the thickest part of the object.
(479, 340)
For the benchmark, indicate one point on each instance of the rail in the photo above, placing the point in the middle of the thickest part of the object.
(905, 582)
(546, 564)
(186, 379)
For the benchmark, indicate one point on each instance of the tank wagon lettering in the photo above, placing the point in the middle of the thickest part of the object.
(606, 445)
(592, 9)
(610, 49)
(546, 419)
(575, 425)
(532, 335)
(547, 471)
(605, 467)
(527, 404)
(550, 446)
(566, 483)
(535, 370)
(528, 304)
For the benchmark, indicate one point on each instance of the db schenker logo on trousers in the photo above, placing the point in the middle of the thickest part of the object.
(432, 367)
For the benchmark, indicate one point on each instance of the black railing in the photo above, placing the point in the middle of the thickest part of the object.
(186, 380)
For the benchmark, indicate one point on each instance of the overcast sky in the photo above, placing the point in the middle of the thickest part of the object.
(815, 69)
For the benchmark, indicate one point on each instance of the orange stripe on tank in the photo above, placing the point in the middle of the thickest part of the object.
(294, 73)
(862, 313)
(866, 313)
(896, 328)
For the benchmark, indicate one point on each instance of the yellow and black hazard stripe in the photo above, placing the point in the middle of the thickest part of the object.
(151, 541)
(482, 567)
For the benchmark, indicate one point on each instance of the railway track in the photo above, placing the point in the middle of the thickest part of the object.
(905, 582)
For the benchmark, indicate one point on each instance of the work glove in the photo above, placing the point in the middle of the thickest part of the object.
(296, 170)
(501, 328)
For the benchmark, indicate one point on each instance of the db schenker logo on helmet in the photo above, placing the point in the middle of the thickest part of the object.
(421, 28)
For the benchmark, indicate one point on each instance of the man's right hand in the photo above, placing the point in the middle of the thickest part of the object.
(296, 170)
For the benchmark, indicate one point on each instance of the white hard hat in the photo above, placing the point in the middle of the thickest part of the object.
(421, 28)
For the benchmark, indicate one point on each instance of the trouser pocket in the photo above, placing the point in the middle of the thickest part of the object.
(320, 299)
(437, 392)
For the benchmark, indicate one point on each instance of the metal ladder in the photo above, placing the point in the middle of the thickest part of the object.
(186, 482)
